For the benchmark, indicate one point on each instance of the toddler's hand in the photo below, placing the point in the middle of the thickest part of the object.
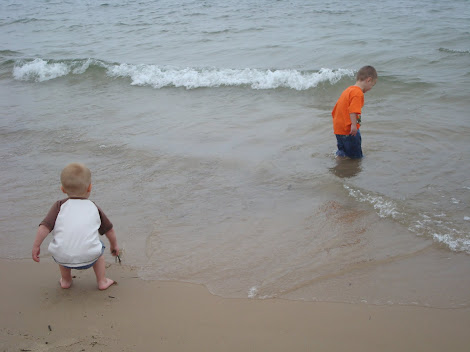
(116, 253)
(35, 253)
(353, 130)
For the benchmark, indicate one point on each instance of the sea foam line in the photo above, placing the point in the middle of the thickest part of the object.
(190, 78)
(155, 76)
(385, 208)
(430, 225)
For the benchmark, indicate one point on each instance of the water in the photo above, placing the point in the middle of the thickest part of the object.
(207, 127)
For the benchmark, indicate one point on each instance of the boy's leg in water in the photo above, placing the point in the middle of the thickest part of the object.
(350, 146)
(340, 144)
(354, 150)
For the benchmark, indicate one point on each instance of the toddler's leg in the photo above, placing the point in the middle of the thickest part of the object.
(353, 146)
(340, 144)
(101, 279)
(66, 277)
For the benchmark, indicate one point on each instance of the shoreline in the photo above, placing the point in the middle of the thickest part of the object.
(140, 315)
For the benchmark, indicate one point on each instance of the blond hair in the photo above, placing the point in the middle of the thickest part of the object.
(366, 72)
(75, 179)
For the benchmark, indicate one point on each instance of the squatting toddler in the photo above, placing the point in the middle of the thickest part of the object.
(76, 224)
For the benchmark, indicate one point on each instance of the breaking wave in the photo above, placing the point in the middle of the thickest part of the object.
(40, 70)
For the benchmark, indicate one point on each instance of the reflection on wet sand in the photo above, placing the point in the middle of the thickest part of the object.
(346, 167)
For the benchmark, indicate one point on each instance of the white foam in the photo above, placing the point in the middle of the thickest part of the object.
(253, 292)
(431, 225)
(455, 244)
(81, 67)
(39, 70)
(443, 232)
(385, 208)
(190, 78)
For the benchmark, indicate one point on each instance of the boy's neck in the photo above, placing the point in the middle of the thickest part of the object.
(83, 196)
(360, 84)
(366, 84)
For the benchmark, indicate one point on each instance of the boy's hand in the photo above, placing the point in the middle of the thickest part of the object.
(42, 233)
(353, 118)
(115, 252)
(35, 254)
(353, 129)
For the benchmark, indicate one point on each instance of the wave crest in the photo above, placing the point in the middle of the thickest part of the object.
(40, 70)
(190, 78)
(454, 51)
(155, 76)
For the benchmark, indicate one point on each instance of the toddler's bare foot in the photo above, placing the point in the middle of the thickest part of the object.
(65, 284)
(106, 284)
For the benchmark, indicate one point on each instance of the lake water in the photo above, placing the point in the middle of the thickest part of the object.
(207, 127)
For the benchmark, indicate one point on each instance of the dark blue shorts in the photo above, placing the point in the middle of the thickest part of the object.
(349, 146)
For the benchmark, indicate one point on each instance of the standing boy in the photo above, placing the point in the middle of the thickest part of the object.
(347, 114)
(76, 224)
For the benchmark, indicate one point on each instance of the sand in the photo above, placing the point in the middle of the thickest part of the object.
(138, 315)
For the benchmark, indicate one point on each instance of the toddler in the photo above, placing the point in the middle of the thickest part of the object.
(76, 224)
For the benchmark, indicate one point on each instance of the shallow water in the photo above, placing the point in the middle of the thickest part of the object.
(207, 127)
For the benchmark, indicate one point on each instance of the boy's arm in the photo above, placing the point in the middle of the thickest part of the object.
(111, 235)
(41, 234)
(353, 118)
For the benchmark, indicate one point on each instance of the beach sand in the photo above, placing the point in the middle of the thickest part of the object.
(138, 315)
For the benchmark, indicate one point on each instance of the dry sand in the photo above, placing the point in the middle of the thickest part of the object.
(137, 315)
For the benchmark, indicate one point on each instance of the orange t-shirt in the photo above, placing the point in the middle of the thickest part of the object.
(351, 101)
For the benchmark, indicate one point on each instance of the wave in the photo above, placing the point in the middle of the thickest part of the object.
(8, 52)
(23, 21)
(158, 77)
(454, 51)
(431, 225)
(40, 70)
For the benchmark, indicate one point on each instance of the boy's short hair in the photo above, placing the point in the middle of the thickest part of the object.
(366, 72)
(75, 179)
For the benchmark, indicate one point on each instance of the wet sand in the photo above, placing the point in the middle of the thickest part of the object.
(139, 315)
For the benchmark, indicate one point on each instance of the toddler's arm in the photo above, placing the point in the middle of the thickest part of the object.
(42, 233)
(111, 235)
(353, 118)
